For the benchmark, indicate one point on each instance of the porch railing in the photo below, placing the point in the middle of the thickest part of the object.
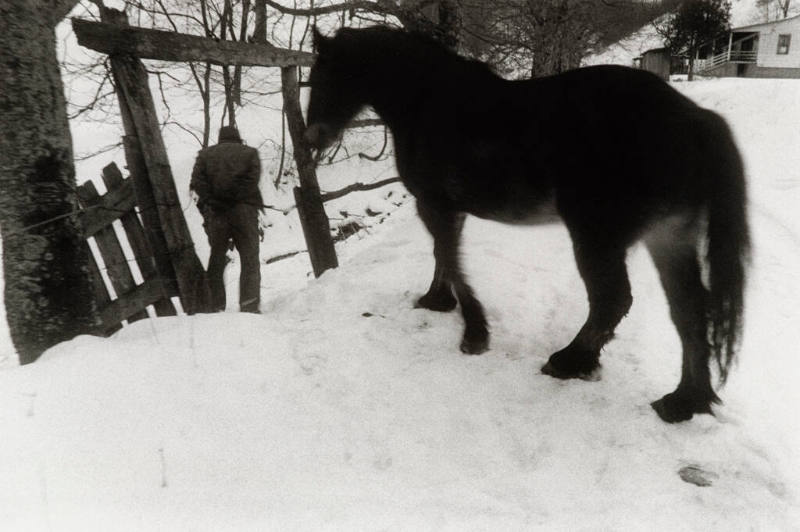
(735, 56)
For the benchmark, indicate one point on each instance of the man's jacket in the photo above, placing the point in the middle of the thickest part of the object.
(225, 174)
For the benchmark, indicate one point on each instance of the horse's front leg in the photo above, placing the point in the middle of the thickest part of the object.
(602, 267)
(440, 296)
(445, 226)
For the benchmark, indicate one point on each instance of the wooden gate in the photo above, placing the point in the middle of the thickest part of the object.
(124, 299)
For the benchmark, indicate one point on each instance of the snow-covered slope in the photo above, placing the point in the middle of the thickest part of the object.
(342, 407)
(743, 12)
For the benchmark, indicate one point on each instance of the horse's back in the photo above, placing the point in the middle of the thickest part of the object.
(624, 118)
(623, 147)
(609, 144)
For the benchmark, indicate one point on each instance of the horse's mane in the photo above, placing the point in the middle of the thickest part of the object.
(411, 46)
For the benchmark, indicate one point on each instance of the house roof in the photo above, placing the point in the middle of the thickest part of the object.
(764, 24)
(654, 50)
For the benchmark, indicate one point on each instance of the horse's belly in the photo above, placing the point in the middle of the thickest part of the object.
(538, 213)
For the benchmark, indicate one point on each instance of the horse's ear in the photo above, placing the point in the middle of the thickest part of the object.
(320, 41)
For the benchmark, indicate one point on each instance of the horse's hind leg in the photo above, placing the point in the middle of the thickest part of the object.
(445, 227)
(602, 267)
(440, 294)
(674, 252)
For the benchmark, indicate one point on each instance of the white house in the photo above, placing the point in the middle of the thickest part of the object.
(768, 50)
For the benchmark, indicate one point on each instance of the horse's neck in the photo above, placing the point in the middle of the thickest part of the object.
(394, 118)
(398, 98)
(403, 91)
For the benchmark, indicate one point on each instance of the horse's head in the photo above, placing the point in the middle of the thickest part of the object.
(337, 91)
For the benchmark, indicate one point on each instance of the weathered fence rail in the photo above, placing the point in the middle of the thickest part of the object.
(129, 300)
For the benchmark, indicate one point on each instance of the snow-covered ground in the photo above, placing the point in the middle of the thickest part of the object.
(342, 407)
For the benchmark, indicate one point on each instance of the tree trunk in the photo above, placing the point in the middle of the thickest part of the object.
(785, 8)
(260, 27)
(450, 23)
(230, 108)
(205, 91)
(48, 291)
(226, 25)
(237, 73)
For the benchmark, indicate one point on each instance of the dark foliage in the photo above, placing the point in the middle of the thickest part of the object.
(696, 23)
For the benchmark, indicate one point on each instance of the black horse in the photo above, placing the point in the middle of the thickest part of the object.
(615, 152)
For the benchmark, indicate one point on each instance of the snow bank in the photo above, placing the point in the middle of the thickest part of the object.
(343, 407)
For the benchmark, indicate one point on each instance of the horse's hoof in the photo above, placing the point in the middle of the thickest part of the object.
(552, 371)
(438, 302)
(475, 344)
(681, 406)
(571, 363)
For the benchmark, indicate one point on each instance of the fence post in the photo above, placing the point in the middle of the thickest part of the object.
(314, 220)
(133, 92)
(730, 44)
(147, 204)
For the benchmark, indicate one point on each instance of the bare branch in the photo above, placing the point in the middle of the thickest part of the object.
(383, 149)
(358, 187)
(98, 95)
(326, 10)
(367, 122)
(184, 128)
(384, 7)
(105, 149)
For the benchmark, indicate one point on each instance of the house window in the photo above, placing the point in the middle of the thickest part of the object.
(783, 43)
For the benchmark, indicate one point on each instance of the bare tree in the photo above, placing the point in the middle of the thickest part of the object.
(541, 37)
(519, 37)
(779, 7)
(437, 18)
(553, 35)
(48, 294)
(220, 90)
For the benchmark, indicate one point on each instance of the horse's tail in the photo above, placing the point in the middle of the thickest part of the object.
(728, 247)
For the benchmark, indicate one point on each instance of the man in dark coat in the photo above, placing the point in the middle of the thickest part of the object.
(225, 179)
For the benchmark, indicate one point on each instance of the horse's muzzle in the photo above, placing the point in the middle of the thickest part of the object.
(319, 136)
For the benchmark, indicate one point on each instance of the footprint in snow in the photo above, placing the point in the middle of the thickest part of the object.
(382, 463)
(693, 474)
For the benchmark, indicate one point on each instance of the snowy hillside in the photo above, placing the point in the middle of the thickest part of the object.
(342, 407)
(743, 12)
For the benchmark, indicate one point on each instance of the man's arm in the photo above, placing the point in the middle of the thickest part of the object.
(199, 183)
(248, 183)
(254, 171)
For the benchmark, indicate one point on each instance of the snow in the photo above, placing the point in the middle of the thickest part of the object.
(342, 407)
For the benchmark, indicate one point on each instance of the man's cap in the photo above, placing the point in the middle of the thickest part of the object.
(229, 134)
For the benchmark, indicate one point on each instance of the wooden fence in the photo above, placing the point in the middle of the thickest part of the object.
(129, 300)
